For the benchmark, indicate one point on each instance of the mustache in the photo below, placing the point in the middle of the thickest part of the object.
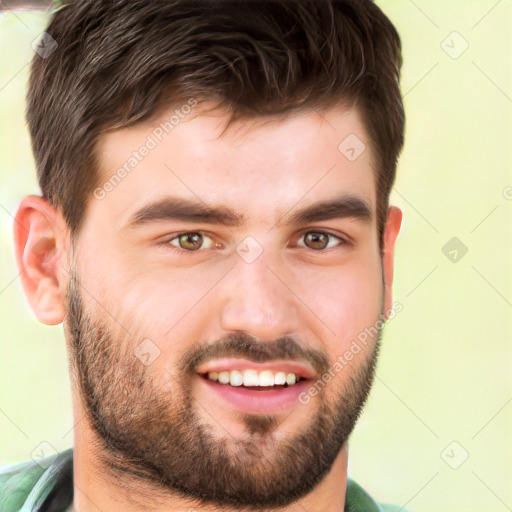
(244, 345)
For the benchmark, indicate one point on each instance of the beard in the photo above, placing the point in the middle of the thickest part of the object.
(156, 438)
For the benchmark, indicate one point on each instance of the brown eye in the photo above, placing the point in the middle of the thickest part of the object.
(188, 241)
(318, 240)
(191, 241)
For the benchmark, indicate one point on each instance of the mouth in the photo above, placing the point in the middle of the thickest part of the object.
(255, 387)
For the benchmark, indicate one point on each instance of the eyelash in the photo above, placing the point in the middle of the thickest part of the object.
(167, 243)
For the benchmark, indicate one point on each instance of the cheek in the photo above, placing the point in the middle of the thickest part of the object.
(347, 299)
(143, 292)
(162, 308)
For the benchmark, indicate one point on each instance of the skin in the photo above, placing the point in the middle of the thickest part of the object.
(266, 169)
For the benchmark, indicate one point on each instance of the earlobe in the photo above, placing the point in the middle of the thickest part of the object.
(39, 244)
(392, 228)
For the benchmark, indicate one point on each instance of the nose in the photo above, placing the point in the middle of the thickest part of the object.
(258, 300)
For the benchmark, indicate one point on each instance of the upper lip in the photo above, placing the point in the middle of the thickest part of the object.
(299, 368)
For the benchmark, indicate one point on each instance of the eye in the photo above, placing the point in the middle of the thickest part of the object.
(319, 240)
(191, 241)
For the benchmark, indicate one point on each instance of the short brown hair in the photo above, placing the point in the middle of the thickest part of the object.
(117, 61)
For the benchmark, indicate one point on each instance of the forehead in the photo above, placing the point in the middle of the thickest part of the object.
(262, 166)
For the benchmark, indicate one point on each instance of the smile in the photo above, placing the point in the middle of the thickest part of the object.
(254, 387)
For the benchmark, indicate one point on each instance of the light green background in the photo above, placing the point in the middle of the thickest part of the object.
(444, 373)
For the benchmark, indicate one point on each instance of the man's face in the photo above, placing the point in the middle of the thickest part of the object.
(156, 320)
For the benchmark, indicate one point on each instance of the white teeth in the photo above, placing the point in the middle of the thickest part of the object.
(250, 378)
(224, 377)
(235, 378)
(265, 378)
(280, 378)
(290, 379)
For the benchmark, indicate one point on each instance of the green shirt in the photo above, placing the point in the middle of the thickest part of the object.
(47, 486)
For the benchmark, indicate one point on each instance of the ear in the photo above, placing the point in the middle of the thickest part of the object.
(392, 228)
(40, 241)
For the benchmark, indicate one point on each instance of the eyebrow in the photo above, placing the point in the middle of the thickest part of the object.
(191, 210)
(188, 210)
(342, 207)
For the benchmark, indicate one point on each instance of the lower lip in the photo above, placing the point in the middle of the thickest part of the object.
(251, 401)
